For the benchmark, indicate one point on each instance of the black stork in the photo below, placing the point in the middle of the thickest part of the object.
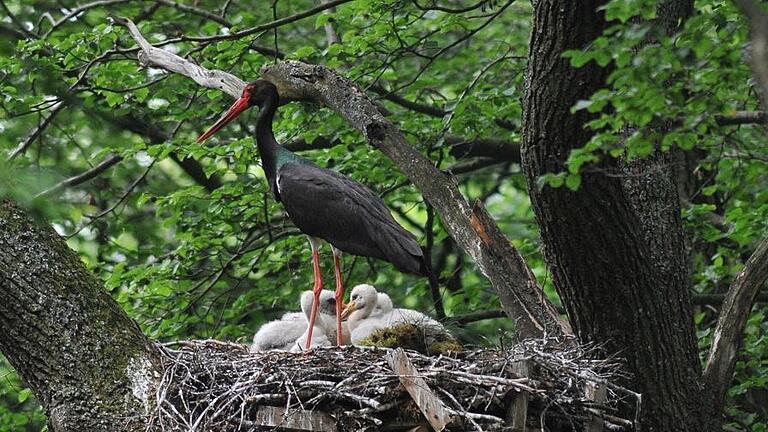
(324, 204)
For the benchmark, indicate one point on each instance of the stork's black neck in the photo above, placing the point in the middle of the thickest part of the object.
(273, 155)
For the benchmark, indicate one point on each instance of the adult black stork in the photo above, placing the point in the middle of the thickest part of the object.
(325, 204)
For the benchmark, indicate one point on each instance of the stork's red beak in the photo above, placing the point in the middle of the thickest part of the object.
(238, 107)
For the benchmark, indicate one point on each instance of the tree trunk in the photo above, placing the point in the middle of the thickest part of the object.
(88, 363)
(614, 245)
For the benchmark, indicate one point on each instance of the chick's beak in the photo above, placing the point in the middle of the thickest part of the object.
(348, 308)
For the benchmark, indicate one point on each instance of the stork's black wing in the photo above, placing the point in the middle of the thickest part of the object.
(325, 204)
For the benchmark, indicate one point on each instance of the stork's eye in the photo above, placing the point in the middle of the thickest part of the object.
(355, 297)
(331, 301)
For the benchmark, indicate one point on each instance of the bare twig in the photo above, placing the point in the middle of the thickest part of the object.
(80, 9)
(196, 11)
(56, 108)
(83, 177)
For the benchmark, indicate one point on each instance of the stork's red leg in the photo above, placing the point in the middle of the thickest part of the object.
(339, 293)
(317, 288)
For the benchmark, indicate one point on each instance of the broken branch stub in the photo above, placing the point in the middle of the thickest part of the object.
(474, 230)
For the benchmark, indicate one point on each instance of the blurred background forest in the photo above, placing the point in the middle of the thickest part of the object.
(190, 242)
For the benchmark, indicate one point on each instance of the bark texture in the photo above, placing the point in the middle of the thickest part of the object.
(611, 245)
(88, 363)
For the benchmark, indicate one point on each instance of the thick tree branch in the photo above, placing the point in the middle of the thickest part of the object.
(729, 333)
(473, 229)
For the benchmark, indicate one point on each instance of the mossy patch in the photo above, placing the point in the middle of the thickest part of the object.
(411, 336)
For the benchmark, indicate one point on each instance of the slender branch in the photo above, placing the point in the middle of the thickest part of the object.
(19, 24)
(478, 316)
(435, 6)
(196, 11)
(316, 144)
(80, 9)
(472, 165)
(729, 333)
(405, 103)
(83, 177)
(56, 108)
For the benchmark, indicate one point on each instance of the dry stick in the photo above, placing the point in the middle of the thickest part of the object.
(472, 228)
(729, 333)
(430, 405)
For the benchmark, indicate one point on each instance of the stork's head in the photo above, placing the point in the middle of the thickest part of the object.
(256, 93)
(364, 297)
(327, 303)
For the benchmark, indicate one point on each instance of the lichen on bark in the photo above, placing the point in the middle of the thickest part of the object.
(67, 338)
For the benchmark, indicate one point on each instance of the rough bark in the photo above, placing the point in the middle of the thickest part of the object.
(473, 229)
(87, 362)
(606, 247)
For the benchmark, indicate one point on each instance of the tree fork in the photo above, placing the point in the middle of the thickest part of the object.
(88, 363)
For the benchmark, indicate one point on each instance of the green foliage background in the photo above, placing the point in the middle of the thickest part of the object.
(187, 260)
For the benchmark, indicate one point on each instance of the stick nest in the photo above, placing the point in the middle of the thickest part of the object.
(219, 386)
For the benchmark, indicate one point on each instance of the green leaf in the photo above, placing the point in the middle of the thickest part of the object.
(24, 395)
(573, 181)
